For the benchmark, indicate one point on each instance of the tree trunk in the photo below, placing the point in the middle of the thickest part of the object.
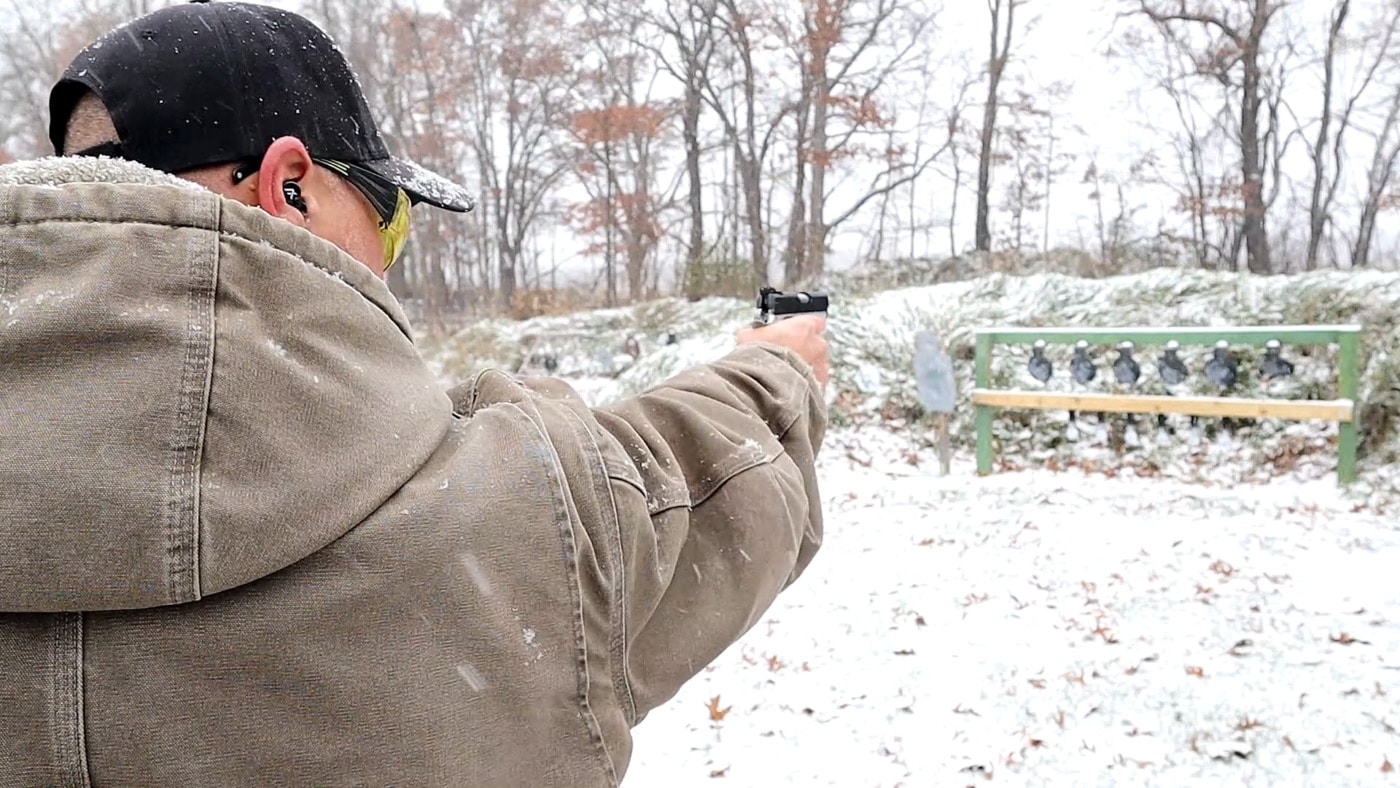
(610, 222)
(1317, 206)
(750, 172)
(953, 207)
(1366, 231)
(795, 264)
(506, 254)
(996, 66)
(823, 31)
(695, 253)
(820, 160)
(1255, 230)
(796, 267)
(507, 285)
(1378, 179)
(752, 184)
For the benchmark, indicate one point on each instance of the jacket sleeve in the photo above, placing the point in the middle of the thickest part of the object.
(711, 509)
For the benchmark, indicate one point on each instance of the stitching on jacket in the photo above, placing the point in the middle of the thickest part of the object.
(4, 275)
(66, 676)
(569, 549)
(186, 440)
(82, 767)
(619, 645)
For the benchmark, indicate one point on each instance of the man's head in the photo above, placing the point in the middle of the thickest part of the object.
(253, 103)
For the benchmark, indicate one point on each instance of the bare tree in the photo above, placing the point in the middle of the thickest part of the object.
(1227, 42)
(686, 52)
(1003, 18)
(748, 30)
(855, 52)
(965, 141)
(1380, 178)
(519, 91)
(408, 61)
(620, 127)
(1208, 198)
(1028, 144)
(1115, 217)
(1328, 151)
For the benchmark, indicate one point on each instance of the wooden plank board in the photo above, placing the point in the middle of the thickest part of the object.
(1340, 410)
(1159, 335)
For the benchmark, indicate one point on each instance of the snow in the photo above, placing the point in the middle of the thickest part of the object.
(54, 171)
(1201, 609)
(426, 184)
(1042, 628)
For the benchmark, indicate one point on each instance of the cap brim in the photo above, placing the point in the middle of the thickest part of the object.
(424, 185)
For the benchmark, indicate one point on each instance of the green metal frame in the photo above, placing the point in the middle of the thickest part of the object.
(1347, 338)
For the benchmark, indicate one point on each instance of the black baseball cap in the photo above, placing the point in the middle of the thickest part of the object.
(204, 83)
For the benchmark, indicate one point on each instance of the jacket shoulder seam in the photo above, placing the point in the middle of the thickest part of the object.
(619, 638)
(569, 553)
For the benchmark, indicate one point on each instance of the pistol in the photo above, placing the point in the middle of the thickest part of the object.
(775, 305)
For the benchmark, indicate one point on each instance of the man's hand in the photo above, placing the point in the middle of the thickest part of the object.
(802, 335)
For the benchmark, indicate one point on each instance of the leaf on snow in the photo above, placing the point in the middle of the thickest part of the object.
(716, 713)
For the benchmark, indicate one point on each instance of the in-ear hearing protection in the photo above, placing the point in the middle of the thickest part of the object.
(291, 192)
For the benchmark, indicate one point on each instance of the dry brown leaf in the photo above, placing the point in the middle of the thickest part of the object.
(720, 772)
(1192, 670)
(1221, 568)
(1387, 766)
(716, 713)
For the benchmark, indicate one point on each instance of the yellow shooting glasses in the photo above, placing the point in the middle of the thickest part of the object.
(394, 232)
(389, 201)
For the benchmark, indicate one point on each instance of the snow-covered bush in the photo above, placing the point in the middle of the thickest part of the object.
(872, 341)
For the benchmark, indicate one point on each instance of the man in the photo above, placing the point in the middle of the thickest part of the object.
(246, 539)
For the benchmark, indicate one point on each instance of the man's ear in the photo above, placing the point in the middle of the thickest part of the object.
(284, 166)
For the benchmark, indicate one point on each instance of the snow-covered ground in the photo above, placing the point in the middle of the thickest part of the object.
(1042, 628)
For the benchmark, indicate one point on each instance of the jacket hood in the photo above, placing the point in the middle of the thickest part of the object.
(193, 394)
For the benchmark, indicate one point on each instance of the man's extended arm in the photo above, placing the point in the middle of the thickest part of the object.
(718, 511)
(698, 500)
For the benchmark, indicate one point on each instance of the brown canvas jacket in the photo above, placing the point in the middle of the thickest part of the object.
(246, 539)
